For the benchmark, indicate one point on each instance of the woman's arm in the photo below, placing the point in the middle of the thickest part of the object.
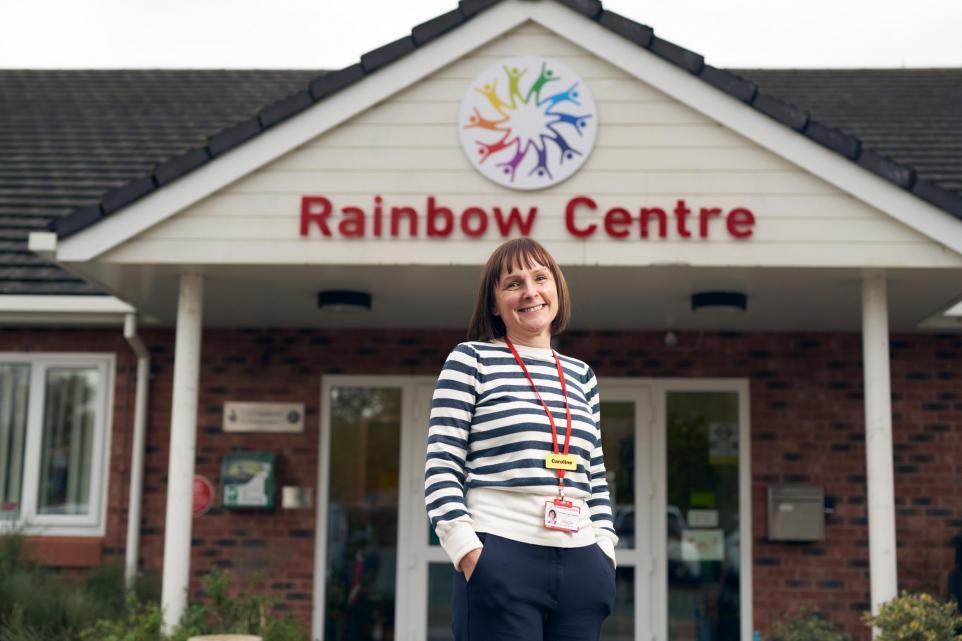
(452, 410)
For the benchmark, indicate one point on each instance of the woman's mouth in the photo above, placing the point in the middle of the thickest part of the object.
(533, 308)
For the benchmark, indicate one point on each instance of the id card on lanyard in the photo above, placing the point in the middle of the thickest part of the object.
(559, 514)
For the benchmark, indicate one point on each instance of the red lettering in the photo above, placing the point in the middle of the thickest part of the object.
(482, 226)
(514, 218)
(740, 222)
(657, 212)
(617, 221)
(377, 215)
(412, 216)
(570, 216)
(434, 213)
(315, 209)
(703, 215)
(681, 213)
(353, 224)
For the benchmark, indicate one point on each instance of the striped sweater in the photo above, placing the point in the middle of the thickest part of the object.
(485, 469)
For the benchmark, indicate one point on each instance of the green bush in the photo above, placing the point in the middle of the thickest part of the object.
(38, 604)
(916, 617)
(807, 624)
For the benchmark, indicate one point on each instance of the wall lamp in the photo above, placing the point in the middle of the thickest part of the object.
(720, 301)
(343, 300)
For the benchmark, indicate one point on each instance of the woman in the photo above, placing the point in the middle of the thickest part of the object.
(515, 478)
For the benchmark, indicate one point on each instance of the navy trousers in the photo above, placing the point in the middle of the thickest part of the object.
(523, 592)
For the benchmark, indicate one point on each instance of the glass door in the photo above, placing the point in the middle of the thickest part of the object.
(704, 582)
(364, 508)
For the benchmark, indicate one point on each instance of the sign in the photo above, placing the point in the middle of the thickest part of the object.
(263, 417)
(528, 123)
(248, 480)
(203, 496)
(582, 215)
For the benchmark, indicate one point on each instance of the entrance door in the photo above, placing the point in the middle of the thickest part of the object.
(367, 470)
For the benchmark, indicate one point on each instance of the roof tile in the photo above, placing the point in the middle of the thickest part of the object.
(634, 31)
(377, 58)
(77, 220)
(732, 84)
(589, 8)
(427, 31)
(172, 169)
(334, 81)
(688, 60)
(471, 8)
(888, 169)
(284, 108)
(939, 197)
(836, 140)
(228, 138)
(126, 194)
(781, 111)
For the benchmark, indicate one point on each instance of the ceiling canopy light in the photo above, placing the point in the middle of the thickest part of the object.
(343, 300)
(720, 301)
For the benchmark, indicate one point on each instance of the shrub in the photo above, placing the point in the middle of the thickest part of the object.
(916, 617)
(808, 624)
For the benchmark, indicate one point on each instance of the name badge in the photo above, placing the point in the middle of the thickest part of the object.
(561, 515)
(561, 461)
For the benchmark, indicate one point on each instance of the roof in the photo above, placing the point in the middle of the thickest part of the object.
(76, 146)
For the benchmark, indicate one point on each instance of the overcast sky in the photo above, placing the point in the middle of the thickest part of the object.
(333, 33)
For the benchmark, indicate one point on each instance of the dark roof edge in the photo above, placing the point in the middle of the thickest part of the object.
(642, 35)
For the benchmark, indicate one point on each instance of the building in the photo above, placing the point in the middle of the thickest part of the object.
(834, 223)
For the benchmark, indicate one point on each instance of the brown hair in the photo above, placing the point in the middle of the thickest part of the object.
(519, 252)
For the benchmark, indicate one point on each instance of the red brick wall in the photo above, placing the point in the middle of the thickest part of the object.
(807, 426)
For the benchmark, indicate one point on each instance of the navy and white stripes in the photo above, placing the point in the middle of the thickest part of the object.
(488, 430)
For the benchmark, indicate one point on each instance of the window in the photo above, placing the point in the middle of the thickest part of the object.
(54, 413)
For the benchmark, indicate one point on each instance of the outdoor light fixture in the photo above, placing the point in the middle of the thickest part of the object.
(720, 301)
(343, 300)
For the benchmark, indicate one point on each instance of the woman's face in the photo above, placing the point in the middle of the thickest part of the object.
(527, 301)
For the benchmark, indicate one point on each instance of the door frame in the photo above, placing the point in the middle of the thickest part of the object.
(651, 566)
(406, 480)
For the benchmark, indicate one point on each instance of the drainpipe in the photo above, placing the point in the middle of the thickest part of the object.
(137, 454)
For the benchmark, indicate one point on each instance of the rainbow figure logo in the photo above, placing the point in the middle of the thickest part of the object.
(528, 123)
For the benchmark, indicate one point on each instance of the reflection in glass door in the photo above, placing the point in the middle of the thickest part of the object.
(362, 513)
(703, 516)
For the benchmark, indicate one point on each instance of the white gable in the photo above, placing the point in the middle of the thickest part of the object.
(652, 152)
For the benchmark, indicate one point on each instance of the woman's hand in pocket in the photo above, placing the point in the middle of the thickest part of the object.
(469, 561)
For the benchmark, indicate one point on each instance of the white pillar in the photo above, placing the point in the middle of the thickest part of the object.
(183, 444)
(878, 439)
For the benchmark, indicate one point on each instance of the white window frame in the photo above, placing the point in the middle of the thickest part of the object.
(92, 524)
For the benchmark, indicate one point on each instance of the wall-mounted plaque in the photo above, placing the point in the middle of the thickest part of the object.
(263, 417)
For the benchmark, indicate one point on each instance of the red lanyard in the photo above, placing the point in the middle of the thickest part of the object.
(564, 393)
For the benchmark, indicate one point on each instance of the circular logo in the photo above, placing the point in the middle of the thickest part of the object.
(528, 123)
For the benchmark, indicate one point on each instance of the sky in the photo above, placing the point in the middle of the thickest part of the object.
(329, 34)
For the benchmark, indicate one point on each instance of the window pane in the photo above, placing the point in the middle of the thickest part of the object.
(440, 615)
(69, 423)
(620, 626)
(362, 513)
(618, 441)
(703, 527)
(14, 389)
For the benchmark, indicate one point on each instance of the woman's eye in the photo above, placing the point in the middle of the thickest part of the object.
(542, 277)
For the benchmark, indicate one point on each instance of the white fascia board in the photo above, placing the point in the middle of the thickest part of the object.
(73, 305)
(216, 174)
(955, 310)
(940, 226)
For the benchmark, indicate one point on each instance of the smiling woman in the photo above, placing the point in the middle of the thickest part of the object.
(515, 482)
